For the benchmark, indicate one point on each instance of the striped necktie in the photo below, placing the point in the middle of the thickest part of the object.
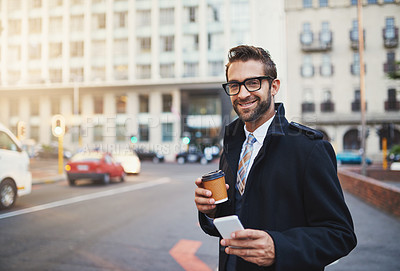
(244, 163)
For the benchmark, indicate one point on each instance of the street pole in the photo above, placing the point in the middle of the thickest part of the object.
(362, 87)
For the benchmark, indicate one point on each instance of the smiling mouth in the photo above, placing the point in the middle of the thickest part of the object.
(246, 104)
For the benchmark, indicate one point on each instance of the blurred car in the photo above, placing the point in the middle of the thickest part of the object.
(149, 155)
(349, 157)
(192, 156)
(51, 151)
(15, 177)
(95, 165)
(129, 161)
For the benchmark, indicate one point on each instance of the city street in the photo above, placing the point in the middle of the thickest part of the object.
(148, 223)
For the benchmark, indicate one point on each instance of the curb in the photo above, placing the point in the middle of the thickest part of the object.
(48, 180)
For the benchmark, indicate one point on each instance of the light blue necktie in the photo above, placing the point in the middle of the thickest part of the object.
(244, 163)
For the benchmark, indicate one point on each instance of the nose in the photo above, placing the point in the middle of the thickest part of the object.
(243, 92)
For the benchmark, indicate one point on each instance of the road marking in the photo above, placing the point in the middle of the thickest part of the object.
(184, 253)
(96, 195)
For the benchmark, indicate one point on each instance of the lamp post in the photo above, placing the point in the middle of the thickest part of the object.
(362, 87)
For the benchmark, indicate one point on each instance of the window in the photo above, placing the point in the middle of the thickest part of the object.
(14, 5)
(143, 132)
(55, 25)
(191, 43)
(98, 21)
(98, 49)
(35, 26)
(14, 27)
(55, 105)
(190, 69)
(121, 19)
(167, 44)
(166, 102)
(356, 104)
(6, 143)
(390, 31)
(14, 53)
(355, 67)
(372, 1)
(167, 70)
(35, 3)
(77, 49)
(392, 104)
(76, 23)
(351, 140)
(306, 35)
(326, 66)
(55, 75)
(14, 77)
(55, 3)
(323, 3)
(388, 1)
(143, 103)
(354, 2)
(192, 12)
(120, 47)
(98, 104)
(143, 71)
(120, 102)
(35, 76)
(307, 3)
(120, 133)
(76, 74)
(166, 16)
(354, 31)
(215, 68)
(307, 69)
(143, 18)
(98, 133)
(167, 132)
(144, 45)
(327, 104)
(98, 73)
(308, 101)
(35, 51)
(325, 35)
(34, 106)
(121, 72)
(55, 50)
(200, 105)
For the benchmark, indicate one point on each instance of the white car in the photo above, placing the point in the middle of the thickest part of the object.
(129, 160)
(15, 177)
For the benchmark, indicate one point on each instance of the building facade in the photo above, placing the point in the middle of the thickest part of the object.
(120, 68)
(323, 70)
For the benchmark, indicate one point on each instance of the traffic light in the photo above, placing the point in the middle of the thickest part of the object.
(134, 139)
(21, 130)
(186, 140)
(58, 125)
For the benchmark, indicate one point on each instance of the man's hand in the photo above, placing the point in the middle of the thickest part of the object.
(203, 199)
(254, 246)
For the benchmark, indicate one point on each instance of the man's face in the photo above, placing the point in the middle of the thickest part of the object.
(251, 106)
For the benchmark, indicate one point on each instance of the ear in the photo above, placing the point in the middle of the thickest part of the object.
(275, 87)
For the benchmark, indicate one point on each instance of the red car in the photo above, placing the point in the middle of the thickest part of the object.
(98, 166)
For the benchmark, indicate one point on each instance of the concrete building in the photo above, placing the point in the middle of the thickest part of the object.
(117, 68)
(323, 70)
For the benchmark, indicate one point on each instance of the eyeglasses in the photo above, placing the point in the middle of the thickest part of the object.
(251, 84)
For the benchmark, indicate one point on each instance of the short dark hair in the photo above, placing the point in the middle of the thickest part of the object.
(247, 52)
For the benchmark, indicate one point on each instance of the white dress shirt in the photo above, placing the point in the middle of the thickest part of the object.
(259, 134)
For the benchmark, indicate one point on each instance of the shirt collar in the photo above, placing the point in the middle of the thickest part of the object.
(261, 131)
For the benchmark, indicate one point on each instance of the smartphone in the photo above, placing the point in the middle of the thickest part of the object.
(227, 225)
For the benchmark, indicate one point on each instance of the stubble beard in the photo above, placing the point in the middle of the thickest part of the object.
(253, 115)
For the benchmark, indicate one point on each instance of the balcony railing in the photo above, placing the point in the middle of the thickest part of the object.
(390, 37)
(392, 105)
(307, 107)
(391, 67)
(354, 39)
(356, 106)
(327, 106)
(323, 44)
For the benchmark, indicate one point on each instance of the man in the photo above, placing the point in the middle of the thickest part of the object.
(281, 179)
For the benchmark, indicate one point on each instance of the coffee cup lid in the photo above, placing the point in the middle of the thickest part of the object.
(212, 175)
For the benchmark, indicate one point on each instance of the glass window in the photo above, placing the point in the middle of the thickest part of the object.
(325, 33)
(98, 21)
(390, 30)
(143, 18)
(76, 75)
(308, 96)
(98, 133)
(307, 3)
(120, 133)
(121, 47)
(121, 72)
(167, 132)
(120, 101)
(190, 69)
(388, 1)
(98, 49)
(143, 103)
(6, 143)
(144, 45)
(372, 1)
(98, 104)
(323, 3)
(356, 64)
(35, 3)
(14, 27)
(166, 16)
(166, 102)
(121, 19)
(34, 106)
(55, 25)
(167, 44)
(76, 49)
(55, 75)
(35, 51)
(354, 30)
(354, 2)
(209, 105)
(98, 73)
(55, 105)
(76, 23)
(192, 14)
(167, 70)
(326, 67)
(306, 35)
(143, 132)
(35, 26)
(14, 5)
(55, 50)
(143, 71)
(216, 68)
(307, 69)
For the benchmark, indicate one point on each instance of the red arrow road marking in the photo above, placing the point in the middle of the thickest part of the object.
(184, 253)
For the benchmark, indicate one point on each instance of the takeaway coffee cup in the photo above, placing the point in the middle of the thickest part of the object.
(215, 182)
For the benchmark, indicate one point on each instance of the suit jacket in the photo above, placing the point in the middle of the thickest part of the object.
(292, 192)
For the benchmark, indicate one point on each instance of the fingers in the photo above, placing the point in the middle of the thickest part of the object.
(203, 199)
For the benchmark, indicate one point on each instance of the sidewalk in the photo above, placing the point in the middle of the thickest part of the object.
(45, 171)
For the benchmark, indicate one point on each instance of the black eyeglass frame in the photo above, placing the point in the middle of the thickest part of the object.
(260, 78)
